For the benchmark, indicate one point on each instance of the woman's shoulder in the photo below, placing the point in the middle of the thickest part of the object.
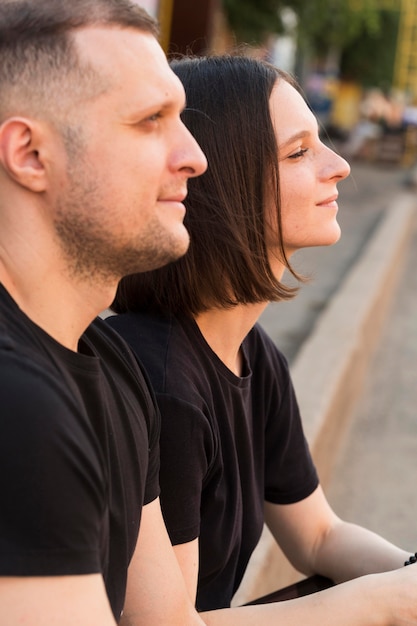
(261, 346)
(167, 347)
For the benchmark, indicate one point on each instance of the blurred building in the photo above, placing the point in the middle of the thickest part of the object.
(187, 26)
(193, 26)
(406, 60)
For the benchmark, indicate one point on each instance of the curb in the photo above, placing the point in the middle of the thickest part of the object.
(329, 370)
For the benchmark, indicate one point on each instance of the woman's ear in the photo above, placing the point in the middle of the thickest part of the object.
(21, 142)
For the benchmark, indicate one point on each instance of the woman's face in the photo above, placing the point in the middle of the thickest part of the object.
(308, 171)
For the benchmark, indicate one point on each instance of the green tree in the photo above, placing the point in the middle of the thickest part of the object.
(370, 57)
(253, 20)
(323, 24)
(357, 37)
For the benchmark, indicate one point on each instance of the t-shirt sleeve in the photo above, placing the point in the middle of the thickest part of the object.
(290, 474)
(187, 447)
(146, 396)
(51, 478)
(152, 486)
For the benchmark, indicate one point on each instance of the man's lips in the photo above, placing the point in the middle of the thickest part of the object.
(177, 197)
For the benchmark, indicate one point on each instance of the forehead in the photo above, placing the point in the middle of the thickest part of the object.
(289, 111)
(130, 60)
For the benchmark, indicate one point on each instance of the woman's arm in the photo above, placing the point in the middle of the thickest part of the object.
(187, 557)
(316, 541)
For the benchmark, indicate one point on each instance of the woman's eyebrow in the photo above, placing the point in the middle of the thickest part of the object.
(301, 135)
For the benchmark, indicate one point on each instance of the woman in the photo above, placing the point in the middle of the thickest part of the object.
(233, 453)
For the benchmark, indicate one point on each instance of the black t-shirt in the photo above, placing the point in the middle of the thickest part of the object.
(227, 443)
(79, 453)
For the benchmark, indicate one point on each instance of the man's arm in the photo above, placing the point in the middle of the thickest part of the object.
(54, 601)
(388, 599)
(156, 591)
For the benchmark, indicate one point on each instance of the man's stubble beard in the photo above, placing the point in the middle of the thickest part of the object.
(93, 253)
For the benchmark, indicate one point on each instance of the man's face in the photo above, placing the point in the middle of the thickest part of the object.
(119, 207)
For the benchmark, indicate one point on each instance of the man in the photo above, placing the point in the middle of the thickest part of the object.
(94, 163)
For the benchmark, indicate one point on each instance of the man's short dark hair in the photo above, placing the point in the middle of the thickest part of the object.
(227, 263)
(39, 62)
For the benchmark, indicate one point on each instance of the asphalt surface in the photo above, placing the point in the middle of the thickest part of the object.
(374, 481)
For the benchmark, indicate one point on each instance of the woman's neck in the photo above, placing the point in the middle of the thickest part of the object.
(225, 329)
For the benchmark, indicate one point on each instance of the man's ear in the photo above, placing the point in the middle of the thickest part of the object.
(20, 154)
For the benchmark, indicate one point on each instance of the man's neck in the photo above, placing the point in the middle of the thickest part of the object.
(61, 308)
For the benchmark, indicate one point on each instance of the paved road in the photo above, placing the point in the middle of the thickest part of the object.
(374, 482)
(363, 198)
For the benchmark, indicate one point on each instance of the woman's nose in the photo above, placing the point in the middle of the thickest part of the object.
(336, 166)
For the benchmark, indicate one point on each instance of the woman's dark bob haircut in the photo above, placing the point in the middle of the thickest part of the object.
(227, 262)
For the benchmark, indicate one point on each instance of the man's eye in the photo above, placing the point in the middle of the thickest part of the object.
(154, 118)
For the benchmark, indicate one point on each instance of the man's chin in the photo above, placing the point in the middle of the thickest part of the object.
(178, 248)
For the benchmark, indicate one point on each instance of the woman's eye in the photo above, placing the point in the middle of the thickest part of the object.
(298, 154)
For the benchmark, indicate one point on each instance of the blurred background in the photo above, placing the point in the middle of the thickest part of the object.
(356, 60)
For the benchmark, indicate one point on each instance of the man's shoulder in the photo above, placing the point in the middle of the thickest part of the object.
(23, 360)
(33, 395)
(110, 346)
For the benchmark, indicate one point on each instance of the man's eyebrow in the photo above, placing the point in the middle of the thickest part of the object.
(169, 101)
